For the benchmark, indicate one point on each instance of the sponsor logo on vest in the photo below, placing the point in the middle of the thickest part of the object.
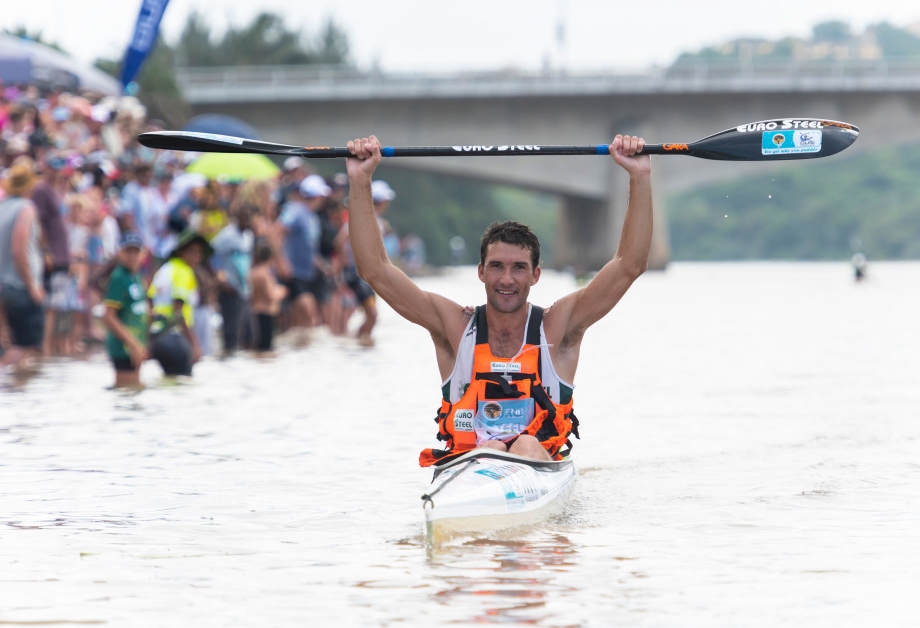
(781, 124)
(506, 367)
(463, 420)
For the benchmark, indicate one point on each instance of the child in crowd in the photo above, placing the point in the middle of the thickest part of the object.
(267, 295)
(126, 314)
(72, 321)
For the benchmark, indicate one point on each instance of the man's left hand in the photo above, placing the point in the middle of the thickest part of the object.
(623, 149)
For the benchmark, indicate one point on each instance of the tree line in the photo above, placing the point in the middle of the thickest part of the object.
(266, 40)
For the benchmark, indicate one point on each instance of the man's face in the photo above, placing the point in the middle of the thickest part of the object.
(244, 220)
(130, 258)
(193, 254)
(508, 274)
(381, 207)
(144, 177)
(315, 203)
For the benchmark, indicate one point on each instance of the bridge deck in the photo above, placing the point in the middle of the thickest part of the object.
(329, 83)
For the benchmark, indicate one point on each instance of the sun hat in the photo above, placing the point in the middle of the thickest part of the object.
(189, 237)
(19, 179)
(381, 192)
(314, 186)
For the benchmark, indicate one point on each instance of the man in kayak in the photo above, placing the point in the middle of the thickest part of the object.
(507, 366)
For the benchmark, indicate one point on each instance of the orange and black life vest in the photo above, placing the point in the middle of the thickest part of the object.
(503, 379)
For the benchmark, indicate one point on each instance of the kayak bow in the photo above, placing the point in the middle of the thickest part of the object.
(487, 489)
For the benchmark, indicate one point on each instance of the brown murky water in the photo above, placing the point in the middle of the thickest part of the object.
(750, 456)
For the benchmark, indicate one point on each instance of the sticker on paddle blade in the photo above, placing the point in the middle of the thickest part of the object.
(788, 142)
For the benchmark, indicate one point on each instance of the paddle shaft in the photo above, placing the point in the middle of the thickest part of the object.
(486, 151)
(770, 140)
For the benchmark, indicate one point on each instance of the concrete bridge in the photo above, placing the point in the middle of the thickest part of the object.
(326, 106)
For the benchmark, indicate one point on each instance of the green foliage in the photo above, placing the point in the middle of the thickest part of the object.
(157, 82)
(835, 32)
(891, 41)
(808, 210)
(438, 207)
(895, 42)
(265, 41)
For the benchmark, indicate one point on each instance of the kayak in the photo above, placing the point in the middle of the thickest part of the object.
(487, 489)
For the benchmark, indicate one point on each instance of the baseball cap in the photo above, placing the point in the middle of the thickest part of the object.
(382, 192)
(292, 163)
(131, 240)
(314, 186)
(340, 181)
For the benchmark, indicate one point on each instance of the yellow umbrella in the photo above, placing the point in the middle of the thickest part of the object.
(234, 167)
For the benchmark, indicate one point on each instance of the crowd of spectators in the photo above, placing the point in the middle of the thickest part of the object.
(106, 242)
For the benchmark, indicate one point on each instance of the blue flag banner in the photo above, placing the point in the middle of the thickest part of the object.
(145, 36)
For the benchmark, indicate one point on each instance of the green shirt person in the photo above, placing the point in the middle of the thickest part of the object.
(126, 314)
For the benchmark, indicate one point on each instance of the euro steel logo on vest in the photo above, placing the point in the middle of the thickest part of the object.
(772, 125)
(463, 420)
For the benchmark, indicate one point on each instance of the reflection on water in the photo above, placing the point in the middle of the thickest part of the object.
(504, 581)
(750, 452)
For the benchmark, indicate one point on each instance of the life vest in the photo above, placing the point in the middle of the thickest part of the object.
(494, 379)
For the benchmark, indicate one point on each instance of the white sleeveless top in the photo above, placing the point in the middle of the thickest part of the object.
(558, 390)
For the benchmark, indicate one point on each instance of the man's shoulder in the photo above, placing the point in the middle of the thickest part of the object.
(120, 278)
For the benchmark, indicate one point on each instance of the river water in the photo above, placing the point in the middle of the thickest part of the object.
(750, 456)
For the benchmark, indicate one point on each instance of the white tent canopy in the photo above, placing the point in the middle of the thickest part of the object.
(24, 61)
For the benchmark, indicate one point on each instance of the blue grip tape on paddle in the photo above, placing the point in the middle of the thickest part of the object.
(602, 149)
(388, 151)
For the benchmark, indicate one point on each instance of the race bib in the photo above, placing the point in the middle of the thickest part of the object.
(502, 419)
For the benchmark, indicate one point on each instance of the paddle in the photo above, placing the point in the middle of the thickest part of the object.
(769, 140)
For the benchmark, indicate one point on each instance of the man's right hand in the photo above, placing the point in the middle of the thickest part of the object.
(367, 155)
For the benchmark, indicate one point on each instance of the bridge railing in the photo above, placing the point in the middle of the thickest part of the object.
(319, 82)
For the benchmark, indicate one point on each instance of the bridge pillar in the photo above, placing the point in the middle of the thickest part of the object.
(589, 231)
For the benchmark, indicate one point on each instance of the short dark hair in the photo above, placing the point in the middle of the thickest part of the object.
(511, 232)
(263, 251)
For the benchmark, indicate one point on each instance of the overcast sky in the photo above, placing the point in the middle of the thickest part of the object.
(432, 35)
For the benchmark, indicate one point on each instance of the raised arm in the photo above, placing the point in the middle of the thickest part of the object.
(443, 318)
(571, 316)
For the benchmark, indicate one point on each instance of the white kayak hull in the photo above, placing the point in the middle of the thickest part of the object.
(488, 489)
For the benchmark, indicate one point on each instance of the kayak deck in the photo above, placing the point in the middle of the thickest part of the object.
(487, 489)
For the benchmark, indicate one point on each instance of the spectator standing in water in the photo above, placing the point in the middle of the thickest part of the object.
(126, 314)
(301, 263)
(231, 261)
(174, 296)
(162, 201)
(382, 195)
(267, 295)
(21, 266)
(48, 195)
(135, 210)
